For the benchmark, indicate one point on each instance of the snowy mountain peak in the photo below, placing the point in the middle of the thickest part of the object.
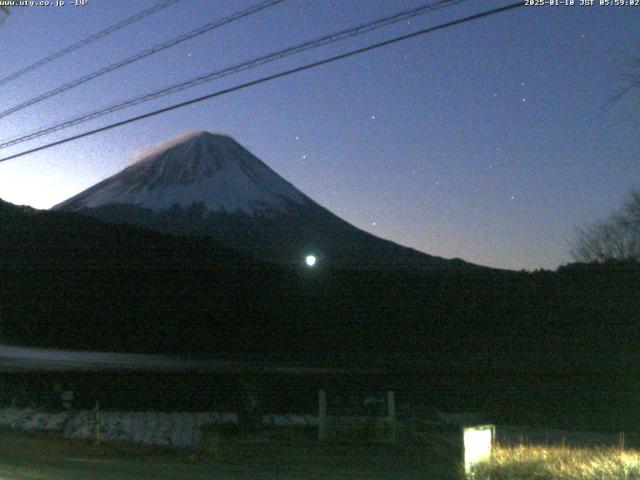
(247, 207)
(200, 166)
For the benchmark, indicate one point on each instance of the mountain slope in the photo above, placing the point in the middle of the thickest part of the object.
(72, 282)
(206, 184)
(68, 281)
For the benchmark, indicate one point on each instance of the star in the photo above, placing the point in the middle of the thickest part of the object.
(373, 223)
(297, 137)
(373, 117)
(304, 157)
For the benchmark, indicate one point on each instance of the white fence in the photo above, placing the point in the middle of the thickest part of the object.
(178, 429)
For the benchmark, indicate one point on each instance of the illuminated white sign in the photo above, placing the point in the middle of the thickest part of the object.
(477, 445)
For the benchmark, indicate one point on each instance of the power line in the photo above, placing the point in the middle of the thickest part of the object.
(262, 60)
(90, 39)
(268, 78)
(145, 53)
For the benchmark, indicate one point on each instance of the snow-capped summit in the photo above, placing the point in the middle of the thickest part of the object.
(199, 167)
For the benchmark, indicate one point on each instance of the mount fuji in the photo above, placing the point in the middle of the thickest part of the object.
(205, 184)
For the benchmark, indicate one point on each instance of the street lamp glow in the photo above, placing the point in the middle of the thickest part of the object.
(310, 260)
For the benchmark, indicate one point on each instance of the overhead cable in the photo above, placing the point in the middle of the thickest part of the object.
(269, 78)
(90, 39)
(256, 62)
(143, 54)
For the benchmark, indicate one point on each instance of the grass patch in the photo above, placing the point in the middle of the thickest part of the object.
(560, 463)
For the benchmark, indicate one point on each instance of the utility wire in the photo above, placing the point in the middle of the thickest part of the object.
(271, 57)
(268, 78)
(90, 39)
(145, 53)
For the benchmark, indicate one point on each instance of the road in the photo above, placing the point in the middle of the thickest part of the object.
(30, 457)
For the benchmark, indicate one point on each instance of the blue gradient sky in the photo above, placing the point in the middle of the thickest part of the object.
(490, 141)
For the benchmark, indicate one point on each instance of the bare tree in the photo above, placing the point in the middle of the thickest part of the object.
(618, 236)
(626, 64)
(615, 238)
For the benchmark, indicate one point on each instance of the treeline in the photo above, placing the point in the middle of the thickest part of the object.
(563, 343)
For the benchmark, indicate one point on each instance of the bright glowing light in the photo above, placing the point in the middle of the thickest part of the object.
(477, 445)
(310, 260)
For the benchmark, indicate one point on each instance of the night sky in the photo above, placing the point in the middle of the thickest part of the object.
(490, 141)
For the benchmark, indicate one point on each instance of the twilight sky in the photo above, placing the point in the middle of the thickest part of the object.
(490, 141)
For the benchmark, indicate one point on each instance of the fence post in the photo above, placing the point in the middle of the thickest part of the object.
(97, 420)
(391, 406)
(322, 415)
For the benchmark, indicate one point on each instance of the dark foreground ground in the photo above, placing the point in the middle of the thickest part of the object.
(29, 456)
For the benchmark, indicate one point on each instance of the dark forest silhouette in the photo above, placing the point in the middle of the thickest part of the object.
(562, 343)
